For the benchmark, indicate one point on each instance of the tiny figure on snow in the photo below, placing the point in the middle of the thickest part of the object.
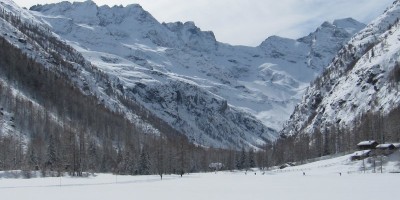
(340, 173)
(304, 173)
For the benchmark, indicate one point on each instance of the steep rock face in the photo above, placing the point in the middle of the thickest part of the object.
(256, 87)
(192, 37)
(207, 117)
(362, 78)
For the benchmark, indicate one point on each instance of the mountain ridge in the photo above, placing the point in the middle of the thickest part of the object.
(259, 84)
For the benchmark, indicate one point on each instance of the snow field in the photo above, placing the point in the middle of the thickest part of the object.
(322, 181)
(206, 186)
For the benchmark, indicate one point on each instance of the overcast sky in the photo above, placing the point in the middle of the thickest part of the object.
(249, 22)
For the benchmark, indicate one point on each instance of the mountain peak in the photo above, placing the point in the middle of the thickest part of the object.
(339, 28)
(345, 22)
(81, 12)
(88, 12)
(349, 24)
(276, 38)
(193, 36)
(175, 26)
(87, 2)
(326, 24)
(274, 41)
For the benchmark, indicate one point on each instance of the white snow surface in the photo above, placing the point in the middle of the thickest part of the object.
(321, 181)
(216, 93)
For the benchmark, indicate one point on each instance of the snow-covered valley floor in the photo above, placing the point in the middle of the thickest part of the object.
(322, 181)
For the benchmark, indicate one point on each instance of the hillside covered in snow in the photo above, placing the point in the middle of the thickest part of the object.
(360, 88)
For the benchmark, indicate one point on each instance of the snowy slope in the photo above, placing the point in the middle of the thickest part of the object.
(217, 94)
(361, 78)
(344, 165)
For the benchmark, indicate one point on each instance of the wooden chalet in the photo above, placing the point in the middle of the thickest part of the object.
(359, 155)
(373, 148)
(396, 145)
(385, 149)
(366, 145)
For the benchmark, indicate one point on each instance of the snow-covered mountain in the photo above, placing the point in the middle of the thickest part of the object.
(75, 69)
(363, 77)
(217, 94)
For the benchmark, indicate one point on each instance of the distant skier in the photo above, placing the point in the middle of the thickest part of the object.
(304, 173)
(340, 173)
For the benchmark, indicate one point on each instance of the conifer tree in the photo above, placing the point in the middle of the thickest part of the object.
(144, 163)
(243, 160)
(251, 159)
(51, 153)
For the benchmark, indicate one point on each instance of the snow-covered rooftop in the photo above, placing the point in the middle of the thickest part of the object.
(384, 146)
(365, 143)
(397, 145)
(361, 153)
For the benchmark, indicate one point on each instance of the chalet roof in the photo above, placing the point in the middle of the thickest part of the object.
(397, 145)
(361, 153)
(366, 143)
(384, 146)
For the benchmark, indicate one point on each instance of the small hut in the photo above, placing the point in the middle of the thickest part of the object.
(366, 145)
(396, 145)
(385, 149)
(359, 155)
